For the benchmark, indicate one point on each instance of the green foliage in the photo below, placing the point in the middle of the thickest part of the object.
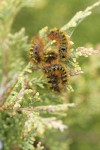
(32, 116)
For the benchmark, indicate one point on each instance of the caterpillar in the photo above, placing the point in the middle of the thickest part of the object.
(57, 76)
(50, 57)
(36, 50)
(62, 40)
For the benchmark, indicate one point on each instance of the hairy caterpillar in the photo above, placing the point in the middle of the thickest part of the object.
(62, 41)
(57, 76)
(36, 50)
(50, 57)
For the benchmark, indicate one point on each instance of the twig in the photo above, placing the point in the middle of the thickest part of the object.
(50, 108)
(79, 17)
(22, 91)
(5, 91)
(21, 77)
(5, 63)
(86, 51)
(76, 73)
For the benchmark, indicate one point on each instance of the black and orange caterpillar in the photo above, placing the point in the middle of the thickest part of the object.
(36, 50)
(62, 40)
(57, 76)
(50, 57)
(51, 60)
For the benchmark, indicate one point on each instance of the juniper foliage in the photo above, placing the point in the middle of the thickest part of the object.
(29, 111)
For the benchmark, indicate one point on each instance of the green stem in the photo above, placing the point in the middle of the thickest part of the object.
(18, 85)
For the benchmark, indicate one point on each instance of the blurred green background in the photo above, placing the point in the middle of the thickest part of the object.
(57, 13)
(84, 121)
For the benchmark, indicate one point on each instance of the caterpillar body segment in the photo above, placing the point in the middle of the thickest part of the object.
(62, 41)
(57, 77)
(50, 57)
(36, 50)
